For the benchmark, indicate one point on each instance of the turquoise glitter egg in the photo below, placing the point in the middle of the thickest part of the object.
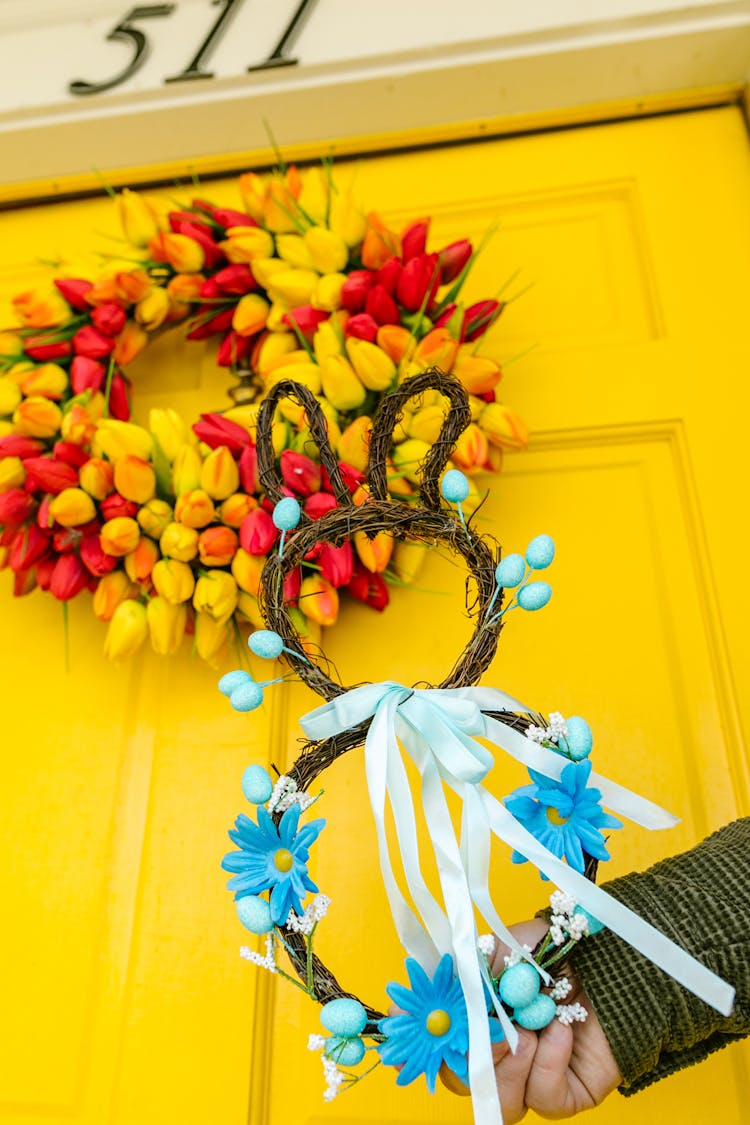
(344, 1052)
(266, 644)
(247, 696)
(344, 1017)
(454, 486)
(540, 552)
(510, 571)
(286, 514)
(233, 680)
(257, 786)
(255, 914)
(519, 985)
(537, 1014)
(595, 926)
(534, 596)
(579, 739)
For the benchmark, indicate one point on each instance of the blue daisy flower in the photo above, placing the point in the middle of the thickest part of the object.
(432, 1029)
(273, 858)
(565, 815)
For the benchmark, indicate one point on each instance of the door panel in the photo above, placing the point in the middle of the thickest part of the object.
(126, 1000)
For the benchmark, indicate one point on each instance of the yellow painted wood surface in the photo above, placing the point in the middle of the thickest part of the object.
(124, 1001)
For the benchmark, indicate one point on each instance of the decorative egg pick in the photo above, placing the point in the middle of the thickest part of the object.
(257, 786)
(455, 489)
(286, 515)
(268, 645)
(245, 693)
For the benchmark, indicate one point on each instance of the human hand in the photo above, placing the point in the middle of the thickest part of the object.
(567, 1068)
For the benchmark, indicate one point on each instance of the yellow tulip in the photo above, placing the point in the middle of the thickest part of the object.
(184, 254)
(166, 625)
(470, 451)
(408, 559)
(194, 508)
(37, 417)
(10, 396)
(154, 517)
(408, 458)
(220, 476)
(128, 629)
(179, 542)
(397, 485)
(340, 383)
(215, 595)
(173, 580)
(281, 202)
(119, 536)
(327, 250)
(186, 469)
(72, 507)
(111, 590)
(48, 379)
(248, 606)
(247, 570)
(119, 439)
(135, 478)
(319, 600)
(11, 346)
(315, 194)
(396, 341)
(253, 189)
(151, 311)
(346, 219)
(169, 430)
(374, 553)
(503, 426)
(308, 374)
(12, 473)
(265, 268)
(327, 293)
(276, 314)
(376, 369)
(137, 217)
(426, 423)
(354, 444)
(292, 249)
(250, 315)
(210, 637)
(245, 416)
(245, 244)
(273, 347)
(327, 341)
(293, 287)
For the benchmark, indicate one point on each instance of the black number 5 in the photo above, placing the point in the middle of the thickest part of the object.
(127, 33)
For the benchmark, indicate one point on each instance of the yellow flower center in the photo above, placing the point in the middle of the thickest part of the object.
(438, 1022)
(284, 859)
(553, 816)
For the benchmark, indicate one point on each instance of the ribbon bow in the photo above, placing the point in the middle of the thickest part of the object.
(437, 729)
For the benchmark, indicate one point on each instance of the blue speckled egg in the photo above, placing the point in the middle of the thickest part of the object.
(579, 739)
(344, 1052)
(540, 552)
(510, 571)
(247, 696)
(534, 596)
(454, 486)
(257, 786)
(519, 985)
(233, 680)
(255, 914)
(537, 1014)
(266, 644)
(344, 1017)
(595, 926)
(286, 514)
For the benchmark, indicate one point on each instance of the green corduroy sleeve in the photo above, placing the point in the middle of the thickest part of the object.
(700, 899)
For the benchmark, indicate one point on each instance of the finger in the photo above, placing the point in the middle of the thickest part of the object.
(548, 1090)
(512, 1073)
(452, 1082)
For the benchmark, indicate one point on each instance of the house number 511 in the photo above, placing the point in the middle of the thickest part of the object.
(127, 32)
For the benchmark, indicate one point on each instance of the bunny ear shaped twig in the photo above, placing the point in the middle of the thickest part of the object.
(458, 418)
(269, 477)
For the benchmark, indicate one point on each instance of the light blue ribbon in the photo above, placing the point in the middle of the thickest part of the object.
(437, 728)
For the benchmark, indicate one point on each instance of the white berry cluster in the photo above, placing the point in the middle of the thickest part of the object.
(334, 1079)
(486, 945)
(551, 733)
(305, 923)
(571, 1013)
(265, 962)
(565, 924)
(285, 794)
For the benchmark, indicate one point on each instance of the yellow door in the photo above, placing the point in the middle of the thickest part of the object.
(124, 999)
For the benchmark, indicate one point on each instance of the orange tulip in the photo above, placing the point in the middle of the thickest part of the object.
(477, 373)
(119, 536)
(78, 425)
(245, 244)
(319, 600)
(253, 189)
(111, 590)
(380, 243)
(217, 546)
(41, 308)
(97, 477)
(194, 509)
(280, 208)
(181, 252)
(374, 553)
(48, 379)
(436, 349)
(183, 291)
(140, 562)
(130, 343)
(470, 451)
(133, 285)
(396, 341)
(250, 315)
(234, 509)
(503, 426)
(135, 479)
(38, 417)
(354, 444)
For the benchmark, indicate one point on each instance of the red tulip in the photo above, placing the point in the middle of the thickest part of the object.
(44, 569)
(43, 347)
(74, 291)
(305, 319)
(216, 430)
(47, 474)
(248, 466)
(29, 546)
(209, 289)
(109, 318)
(388, 275)
(235, 279)
(218, 323)
(89, 341)
(368, 587)
(299, 473)
(234, 348)
(226, 217)
(381, 306)
(119, 403)
(414, 239)
(15, 507)
(69, 577)
(319, 504)
(70, 453)
(362, 326)
(351, 477)
(336, 563)
(93, 557)
(453, 258)
(16, 445)
(115, 506)
(355, 289)
(43, 518)
(445, 316)
(419, 282)
(478, 318)
(258, 532)
(86, 374)
(292, 584)
(179, 219)
(24, 581)
(212, 254)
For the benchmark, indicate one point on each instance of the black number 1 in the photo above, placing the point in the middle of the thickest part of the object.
(135, 38)
(195, 68)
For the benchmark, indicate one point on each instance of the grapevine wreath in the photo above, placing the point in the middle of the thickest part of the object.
(459, 1000)
(168, 525)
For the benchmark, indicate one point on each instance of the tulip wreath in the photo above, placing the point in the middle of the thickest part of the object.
(168, 525)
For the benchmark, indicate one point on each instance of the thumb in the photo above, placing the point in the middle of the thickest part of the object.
(548, 1088)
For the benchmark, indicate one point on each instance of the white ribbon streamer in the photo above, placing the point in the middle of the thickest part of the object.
(438, 728)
